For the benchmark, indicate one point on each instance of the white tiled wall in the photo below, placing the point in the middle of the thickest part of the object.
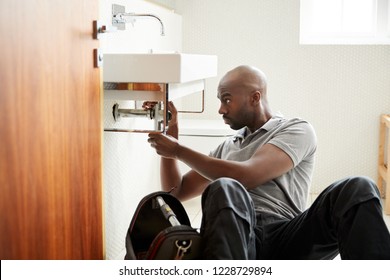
(145, 34)
(341, 89)
(129, 163)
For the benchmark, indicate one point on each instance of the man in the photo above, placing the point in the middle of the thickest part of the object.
(254, 186)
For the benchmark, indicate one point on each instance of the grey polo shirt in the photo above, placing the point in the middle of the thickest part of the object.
(283, 197)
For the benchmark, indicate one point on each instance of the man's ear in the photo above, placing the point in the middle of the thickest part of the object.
(256, 97)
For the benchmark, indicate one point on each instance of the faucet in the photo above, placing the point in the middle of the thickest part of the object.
(120, 18)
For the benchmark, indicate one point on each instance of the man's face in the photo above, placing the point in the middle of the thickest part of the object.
(234, 106)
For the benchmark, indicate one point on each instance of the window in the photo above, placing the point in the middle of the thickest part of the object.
(345, 22)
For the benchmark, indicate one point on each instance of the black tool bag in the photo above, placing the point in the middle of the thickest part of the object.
(161, 230)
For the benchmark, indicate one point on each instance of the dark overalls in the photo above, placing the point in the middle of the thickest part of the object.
(346, 218)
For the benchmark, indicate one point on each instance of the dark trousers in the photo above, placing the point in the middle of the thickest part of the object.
(345, 219)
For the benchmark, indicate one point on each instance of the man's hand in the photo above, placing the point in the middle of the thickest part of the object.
(173, 129)
(173, 123)
(165, 145)
(148, 105)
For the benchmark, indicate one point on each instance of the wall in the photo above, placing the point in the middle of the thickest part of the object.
(166, 3)
(341, 90)
(130, 165)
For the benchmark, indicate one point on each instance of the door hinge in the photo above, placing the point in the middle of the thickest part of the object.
(97, 58)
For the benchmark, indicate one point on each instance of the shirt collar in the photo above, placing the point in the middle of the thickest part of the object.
(271, 123)
(245, 132)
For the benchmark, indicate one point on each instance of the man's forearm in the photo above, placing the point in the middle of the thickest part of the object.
(170, 174)
(208, 167)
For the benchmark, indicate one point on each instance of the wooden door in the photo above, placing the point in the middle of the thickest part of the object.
(50, 131)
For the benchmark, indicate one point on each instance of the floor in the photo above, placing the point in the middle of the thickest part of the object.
(194, 212)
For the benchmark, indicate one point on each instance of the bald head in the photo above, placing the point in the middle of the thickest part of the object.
(243, 95)
(247, 77)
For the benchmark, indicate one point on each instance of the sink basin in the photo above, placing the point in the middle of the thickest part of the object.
(158, 68)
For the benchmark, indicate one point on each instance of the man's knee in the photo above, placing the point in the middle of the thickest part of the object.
(226, 193)
(360, 186)
(225, 185)
(348, 192)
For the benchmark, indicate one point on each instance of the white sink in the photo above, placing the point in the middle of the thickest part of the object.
(158, 68)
